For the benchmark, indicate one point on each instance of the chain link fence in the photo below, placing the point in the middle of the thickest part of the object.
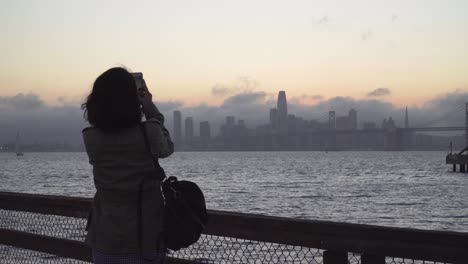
(10, 255)
(215, 249)
(209, 249)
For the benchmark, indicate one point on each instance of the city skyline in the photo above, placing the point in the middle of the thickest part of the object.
(197, 133)
(287, 131)
(404, 53)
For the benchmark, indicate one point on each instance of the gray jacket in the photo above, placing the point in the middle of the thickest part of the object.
(126, 215)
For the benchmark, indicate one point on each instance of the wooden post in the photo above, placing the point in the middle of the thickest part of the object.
(454, 167)
(335, 257)
(372, 259)
(462, 167)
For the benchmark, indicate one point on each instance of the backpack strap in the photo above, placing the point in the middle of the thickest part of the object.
(160, 174)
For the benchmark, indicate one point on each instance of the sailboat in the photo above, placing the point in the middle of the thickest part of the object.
(18, 146)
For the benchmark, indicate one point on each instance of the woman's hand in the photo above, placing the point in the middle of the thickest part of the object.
(144, 94)
(146, 100)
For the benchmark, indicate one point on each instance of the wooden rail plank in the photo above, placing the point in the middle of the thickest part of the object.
(383, 241)
(364, 239)
(372, 259)
(46, 204)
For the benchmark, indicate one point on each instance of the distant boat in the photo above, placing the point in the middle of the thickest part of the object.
(18, 145)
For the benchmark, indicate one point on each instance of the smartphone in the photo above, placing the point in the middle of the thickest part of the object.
(138, 76)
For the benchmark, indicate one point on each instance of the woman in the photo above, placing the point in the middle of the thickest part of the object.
(126, 218)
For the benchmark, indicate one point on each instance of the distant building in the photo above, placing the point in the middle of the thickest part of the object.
(292, 122)
(406, 118)
(177, 127)
(352, 119)
(273, 119)
(348, 122)
(227, 129)
(342, 123)
(301, 124)
(369, 125)
(388, 124)
(331, 120)
(241, 123)
(230, 121)
(205, 133)
(391, 123)
(282, 107)
(189, 130)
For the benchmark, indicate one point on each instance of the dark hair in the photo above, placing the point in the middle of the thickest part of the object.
(113, 104)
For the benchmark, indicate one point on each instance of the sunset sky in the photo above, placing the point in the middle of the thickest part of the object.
(200, 51)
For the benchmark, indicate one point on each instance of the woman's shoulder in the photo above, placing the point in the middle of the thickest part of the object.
(87, 129)
(151, 121)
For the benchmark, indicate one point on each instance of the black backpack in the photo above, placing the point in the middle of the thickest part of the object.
(185, 214)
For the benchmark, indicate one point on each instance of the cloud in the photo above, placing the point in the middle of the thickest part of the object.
(445, 110)
(324, 20)
(219, 90)
(305, 98)
(379, 92)
(21, 101)
(365, 35)
(245, 98)
(38, 122)
(241, 84)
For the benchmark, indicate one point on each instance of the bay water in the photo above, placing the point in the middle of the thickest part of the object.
(400, 189)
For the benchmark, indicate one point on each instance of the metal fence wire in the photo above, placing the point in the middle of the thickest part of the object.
(215, 249)
(18, 255)
(209, 249)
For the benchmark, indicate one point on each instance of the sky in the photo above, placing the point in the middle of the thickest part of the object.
(417, 49)
(211, 58)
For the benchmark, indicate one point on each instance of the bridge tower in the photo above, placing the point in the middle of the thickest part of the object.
(331, 136)
(406, 134)
(466, 124)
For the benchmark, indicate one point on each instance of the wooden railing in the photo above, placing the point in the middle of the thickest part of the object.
(337, 240)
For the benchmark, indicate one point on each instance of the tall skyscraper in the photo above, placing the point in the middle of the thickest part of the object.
(406, 118)
(282, 112)
(205, 133)
(189, 130)
(352, 116)
(273, 118)
(177, 127)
